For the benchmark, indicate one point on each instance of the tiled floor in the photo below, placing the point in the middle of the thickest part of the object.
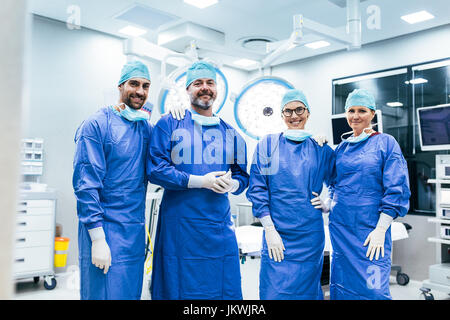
(67, 288)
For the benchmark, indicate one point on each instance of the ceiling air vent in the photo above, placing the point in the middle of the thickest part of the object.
(257, 44)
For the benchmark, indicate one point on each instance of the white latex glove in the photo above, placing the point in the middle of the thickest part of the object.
(207, 181)
(225, 184)
(177, 111)
(376, 238)
(100, 252)
(274, 242)
(320, 140)
(319, 204)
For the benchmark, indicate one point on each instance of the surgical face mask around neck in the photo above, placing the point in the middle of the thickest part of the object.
(362, 137)
(131, 114)
(296, 134)
(205, 121)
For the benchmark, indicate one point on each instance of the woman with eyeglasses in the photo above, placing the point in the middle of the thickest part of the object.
(371, 189)
(286, 178)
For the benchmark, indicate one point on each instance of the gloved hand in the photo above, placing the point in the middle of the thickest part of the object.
(100, 252)
(376, 238)
(177, 111)
(319, 204)
(207, 181)
(225, 184)
(320, 140)
(274, 242)
(101, 255)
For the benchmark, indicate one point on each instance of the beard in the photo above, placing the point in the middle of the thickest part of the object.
(199, 103)
(134, 105)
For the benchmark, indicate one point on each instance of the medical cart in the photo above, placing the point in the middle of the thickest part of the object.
(439, 273)
(35, 237)
(35, 229)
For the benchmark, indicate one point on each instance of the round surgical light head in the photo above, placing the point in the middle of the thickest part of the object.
(176, 93)
(257, 108)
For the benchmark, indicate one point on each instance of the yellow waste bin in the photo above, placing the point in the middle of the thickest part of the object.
(61, 248)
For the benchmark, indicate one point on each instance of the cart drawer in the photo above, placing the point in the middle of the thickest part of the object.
(35, 207)
(34, 211)
(35, 223)
(34, 239)
(36, 203)
(33, 259)
(440, 273)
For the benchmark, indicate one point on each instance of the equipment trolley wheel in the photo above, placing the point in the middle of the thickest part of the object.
(49, 282)
(426, 294)
(35, 279)
(402, 279)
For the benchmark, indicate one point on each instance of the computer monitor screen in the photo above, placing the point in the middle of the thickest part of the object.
(434, 127)
(339, 125)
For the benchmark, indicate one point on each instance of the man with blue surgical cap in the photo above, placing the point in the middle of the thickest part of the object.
(198, 161)
(110, 185)
(370, 190)
(286, 178)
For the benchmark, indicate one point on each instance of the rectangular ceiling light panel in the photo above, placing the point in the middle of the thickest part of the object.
(201, 3)
(146, 17)
(417, 17)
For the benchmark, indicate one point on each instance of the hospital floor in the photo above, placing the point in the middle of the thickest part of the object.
(66, 288)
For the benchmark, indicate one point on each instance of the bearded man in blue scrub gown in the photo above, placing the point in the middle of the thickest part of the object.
(198, 161)
(371, 189)
(110, 185)
(286, 177)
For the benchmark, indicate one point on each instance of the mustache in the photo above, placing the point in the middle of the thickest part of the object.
(137, 95)
(205, 92)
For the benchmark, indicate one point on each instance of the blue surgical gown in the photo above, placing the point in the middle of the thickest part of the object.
(372, 177)
(283, 176)
(110, 185)
(196, 254)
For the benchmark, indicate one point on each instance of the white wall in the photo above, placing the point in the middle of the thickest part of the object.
(314, 76)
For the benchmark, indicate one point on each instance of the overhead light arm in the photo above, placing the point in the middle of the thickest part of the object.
(351, 38)
(294, 40)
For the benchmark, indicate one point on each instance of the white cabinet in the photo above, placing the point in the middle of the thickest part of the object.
(34, 237)
(440, 272)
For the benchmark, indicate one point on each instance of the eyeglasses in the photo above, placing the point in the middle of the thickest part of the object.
(288, 112)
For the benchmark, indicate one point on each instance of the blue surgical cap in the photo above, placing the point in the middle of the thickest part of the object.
(294, 95)
(360, 97)
(134, 69)
(200, 70)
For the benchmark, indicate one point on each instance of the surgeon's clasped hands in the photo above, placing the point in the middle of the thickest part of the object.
(225, 184)
(217, 181)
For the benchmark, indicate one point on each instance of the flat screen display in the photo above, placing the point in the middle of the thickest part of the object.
(434, 126)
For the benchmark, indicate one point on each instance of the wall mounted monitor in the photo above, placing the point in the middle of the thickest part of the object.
(434, 127)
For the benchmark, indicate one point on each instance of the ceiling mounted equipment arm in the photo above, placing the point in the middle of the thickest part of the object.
(351, 38)
(294, 40)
